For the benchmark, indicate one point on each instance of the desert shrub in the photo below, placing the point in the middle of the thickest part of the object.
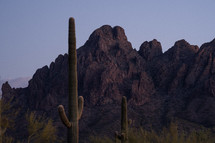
(7, 116)
(40, 129)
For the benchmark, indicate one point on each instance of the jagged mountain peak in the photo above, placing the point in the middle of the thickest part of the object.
(6, 88)
(108, 32)
(151, 49)
(213, 41)
(182, 51)
(104, 43)
(204, 67)
(184, 45)
(209, 46)
(181, 42)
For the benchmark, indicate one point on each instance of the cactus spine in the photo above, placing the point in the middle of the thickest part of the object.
(123, 136)
(75, 103)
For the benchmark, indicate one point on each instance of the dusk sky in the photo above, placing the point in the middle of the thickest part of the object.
(34, 32)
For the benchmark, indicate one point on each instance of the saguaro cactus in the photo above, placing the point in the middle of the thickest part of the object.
(123, 136)
(75, 103)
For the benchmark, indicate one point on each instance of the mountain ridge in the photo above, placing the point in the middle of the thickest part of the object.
(176, 84)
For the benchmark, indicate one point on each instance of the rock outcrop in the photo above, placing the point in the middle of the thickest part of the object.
(150, 50)
(111, 68)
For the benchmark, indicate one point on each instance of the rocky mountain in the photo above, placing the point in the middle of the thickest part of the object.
(20, 82)
(176, 85)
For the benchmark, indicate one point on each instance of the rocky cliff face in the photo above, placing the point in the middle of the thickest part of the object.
(178, 84)
(110, 68)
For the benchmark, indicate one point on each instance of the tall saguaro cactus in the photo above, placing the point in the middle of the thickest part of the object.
(123, 136)
(75, 103)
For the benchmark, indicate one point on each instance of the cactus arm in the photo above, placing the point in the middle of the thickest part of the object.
(80, 106)
(123, 136)
(63, 116)
(117, 137)
(130, 122)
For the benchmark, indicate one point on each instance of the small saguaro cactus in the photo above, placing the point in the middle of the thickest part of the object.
(75, 103)
(123, 136)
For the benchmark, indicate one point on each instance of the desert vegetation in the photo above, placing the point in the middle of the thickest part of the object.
(39, 128)
(6, 121)
(170, 134)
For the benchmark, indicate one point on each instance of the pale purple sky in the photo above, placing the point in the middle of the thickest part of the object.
(34, 32)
